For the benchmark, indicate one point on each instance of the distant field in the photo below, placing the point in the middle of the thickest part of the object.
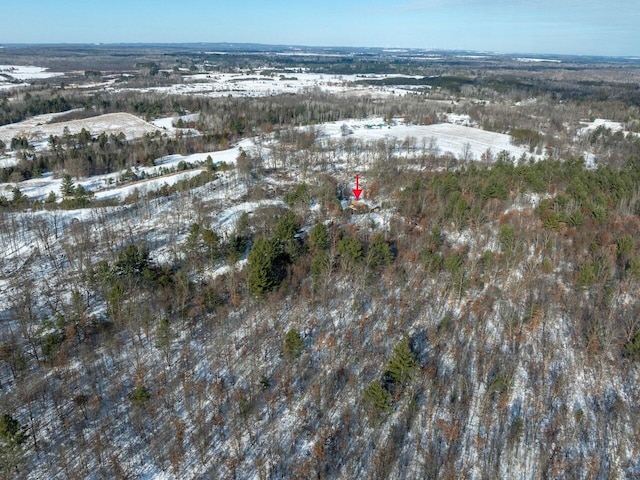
(38, 129)
(257, 85)
(448, 138)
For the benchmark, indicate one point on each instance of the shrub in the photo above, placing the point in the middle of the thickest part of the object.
(299, 196)
(51, 343)
(586, 275)
(506, 237)
(634, 268)
(140, 396)
(10, 430)
(632, 347)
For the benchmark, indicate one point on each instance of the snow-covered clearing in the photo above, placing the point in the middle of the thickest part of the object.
(10, 86)
(16, 76)
(168, 123)
(226, 220)
(536, 60)
(604, 123)
(11, 130)
(601, 122)
(36, 128)
(22, 72)
(254, 84)
(457, 140)
(461, 119)
(144, 186)
(8, 161)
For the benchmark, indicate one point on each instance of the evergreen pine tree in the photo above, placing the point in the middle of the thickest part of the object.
(211, 243)
(293, 344)
(320, 263)
(379, 254)
(11, 439)
(286, 230)
(318, 237)
(163, 334)
(402, 364)
(350, 250)
(377, 397)
(67, 188)
(18, 197)
(265, 266)
(10, 429)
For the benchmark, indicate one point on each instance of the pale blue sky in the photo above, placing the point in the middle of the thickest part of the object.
(527, 26)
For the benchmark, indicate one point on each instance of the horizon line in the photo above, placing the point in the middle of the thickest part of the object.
(388, 49)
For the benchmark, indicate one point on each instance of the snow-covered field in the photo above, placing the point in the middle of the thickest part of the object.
(537, 60)
(450, 138)
(38, 129)
(253, 84)
(15, 76)
(21, 72)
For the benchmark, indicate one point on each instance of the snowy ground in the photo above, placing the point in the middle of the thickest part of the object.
(106, 186)
(168, 123)
(602, 122)
(38, 129)
(445, 138)
(8, 161)
(21, 72)
(454, 139)
(536, 60)
(253, 84)
(15, 76)
(9, 86)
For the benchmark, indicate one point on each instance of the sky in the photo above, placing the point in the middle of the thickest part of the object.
(580, 27)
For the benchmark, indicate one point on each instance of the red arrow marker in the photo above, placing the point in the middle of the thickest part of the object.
(357, 192)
